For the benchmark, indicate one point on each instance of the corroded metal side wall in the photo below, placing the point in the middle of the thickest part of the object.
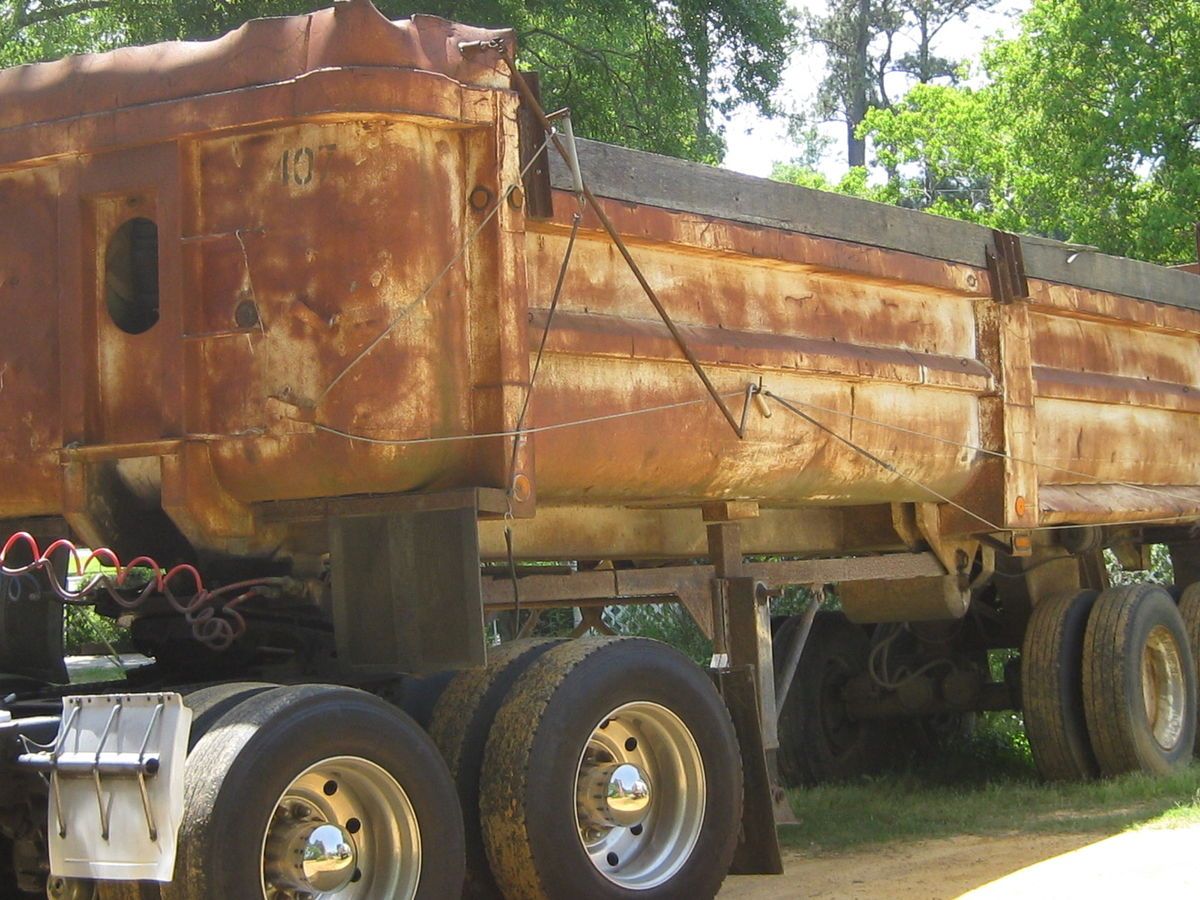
(30, 396)
(752, 308)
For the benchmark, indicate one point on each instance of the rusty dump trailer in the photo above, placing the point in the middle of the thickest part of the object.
(354, 370)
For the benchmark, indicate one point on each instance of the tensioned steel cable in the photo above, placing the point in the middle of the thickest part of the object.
(536, 429)
(792, 405)
(879, 461)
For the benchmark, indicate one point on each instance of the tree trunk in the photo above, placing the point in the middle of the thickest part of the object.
(696, 31)
(856, 106)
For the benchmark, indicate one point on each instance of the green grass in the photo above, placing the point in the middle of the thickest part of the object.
(920, 804)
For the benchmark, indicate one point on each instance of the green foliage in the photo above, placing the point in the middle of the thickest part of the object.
(1161, 570)
(644, 73)
(1089, 130)
(941, 134)
(854, 183)
(995, 748)
(85, 629)
(1108, 115)
(32, 31)
(802, 175)
(668, 622)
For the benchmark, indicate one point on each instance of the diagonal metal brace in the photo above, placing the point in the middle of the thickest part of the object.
(530, 99)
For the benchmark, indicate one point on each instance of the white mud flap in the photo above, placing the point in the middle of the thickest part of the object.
(116, 785)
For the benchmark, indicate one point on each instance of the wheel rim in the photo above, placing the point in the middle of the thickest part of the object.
(639, 795)
(344, 828)
(1163, 688)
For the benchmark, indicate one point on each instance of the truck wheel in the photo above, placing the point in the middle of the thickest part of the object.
(207, 704)
(317, 790)
(1189, 611)
(462, 720)
(1052, 687)
(818, 741)
(1139, 682)
(612, 770)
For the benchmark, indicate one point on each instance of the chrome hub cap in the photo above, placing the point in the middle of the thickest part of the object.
(313, 857)
(640, 795)
(614, 795)
(344, 829)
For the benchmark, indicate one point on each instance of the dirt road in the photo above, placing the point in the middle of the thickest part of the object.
(1151, 862)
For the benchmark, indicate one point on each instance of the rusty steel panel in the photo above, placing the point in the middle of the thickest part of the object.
(30, 393)
(262, 51)
(321, 246)
(349, 301)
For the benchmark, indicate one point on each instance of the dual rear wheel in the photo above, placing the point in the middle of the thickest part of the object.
(597, 768)
(1109, 683)
(607, 768)
(309, 791)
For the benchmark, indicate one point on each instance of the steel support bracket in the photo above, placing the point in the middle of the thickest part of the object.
(758, 851)
(406, 590)
(1006, 268)
(745, 674)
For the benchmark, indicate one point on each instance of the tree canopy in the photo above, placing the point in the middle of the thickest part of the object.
(861, 40)
(1087, 130)
(652, 74)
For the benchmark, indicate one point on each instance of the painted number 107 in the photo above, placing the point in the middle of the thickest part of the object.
(298, 167)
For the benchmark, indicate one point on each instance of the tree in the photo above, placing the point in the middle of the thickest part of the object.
(32, 30)
(1103, 114)
(853, 82)
(653, 74)
(860, 37)
(942, 154)
(924, 21)
(1088, 131)
(736, 53)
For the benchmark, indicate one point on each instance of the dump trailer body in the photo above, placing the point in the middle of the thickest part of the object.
(312, 326)
(303, 203)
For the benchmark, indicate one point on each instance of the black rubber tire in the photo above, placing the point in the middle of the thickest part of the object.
(1119, 626)
(461, 723)
(1189, 611)
(207, 704)
(418, 696)
(526, 799)
(240, 768)
(1052, 688)
(818, 743)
